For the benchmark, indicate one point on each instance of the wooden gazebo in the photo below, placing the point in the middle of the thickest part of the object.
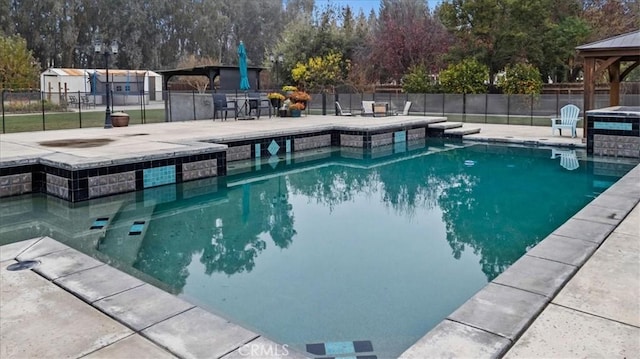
(608, 54)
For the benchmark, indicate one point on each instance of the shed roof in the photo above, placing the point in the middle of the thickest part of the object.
(84, 72)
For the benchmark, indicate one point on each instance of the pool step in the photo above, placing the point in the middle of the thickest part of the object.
(451, 130)
(460, 131)
(445, 125)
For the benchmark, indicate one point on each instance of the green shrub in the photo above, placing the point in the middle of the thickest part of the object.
(468, 76)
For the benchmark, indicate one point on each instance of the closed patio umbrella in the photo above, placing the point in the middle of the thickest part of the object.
(242, 64)
(244, 76)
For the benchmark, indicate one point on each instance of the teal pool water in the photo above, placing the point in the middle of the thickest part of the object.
(332, 245)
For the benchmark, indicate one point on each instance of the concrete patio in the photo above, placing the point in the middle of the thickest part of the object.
(580, 287)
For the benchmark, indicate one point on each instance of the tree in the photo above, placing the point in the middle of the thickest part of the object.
(320, 73)
(468, 76)
(608, 18)
(418, 80)
(6, 25)
(399, 40)
(560, 62)
(520, 78)
(18, 68)
(498, 32)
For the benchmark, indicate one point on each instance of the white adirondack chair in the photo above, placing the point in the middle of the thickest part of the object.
(568, 120)
(340, 112)
(405, 111)
(367, 108)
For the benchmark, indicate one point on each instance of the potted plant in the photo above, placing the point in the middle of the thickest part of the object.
(295, 109)
(276, 98)
(288, 89)
(300, 96)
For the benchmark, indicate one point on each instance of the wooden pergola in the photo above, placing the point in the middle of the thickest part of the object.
(607, 55)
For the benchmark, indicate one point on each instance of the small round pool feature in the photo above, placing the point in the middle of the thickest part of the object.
(23, 265)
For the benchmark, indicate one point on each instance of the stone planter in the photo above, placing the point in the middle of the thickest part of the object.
(120, 119)
(295, 113)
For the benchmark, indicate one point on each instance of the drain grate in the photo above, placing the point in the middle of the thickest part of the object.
(22, 265)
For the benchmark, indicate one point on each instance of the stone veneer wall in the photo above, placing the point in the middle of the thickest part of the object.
(100, 186)
(351, 140)
(237, 153)
(382, 139)
(57, 186)
(308, 143)
(616, 146)
(416, 133)
(12, 185)
(199, 169)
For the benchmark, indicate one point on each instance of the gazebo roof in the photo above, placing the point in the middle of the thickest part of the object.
(626, 46)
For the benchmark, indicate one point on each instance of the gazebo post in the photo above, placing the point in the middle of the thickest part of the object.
(614, 78)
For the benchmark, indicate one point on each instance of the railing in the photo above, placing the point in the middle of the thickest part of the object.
(41, 111)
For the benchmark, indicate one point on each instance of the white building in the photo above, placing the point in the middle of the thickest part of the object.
(128, 87)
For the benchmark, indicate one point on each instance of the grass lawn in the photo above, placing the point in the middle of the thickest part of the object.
(59, 121)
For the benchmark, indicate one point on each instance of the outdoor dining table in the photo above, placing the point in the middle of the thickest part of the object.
(243, 103)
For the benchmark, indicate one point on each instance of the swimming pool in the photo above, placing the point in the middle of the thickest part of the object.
(332, 246)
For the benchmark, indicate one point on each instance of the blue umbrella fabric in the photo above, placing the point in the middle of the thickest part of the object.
(244, 77)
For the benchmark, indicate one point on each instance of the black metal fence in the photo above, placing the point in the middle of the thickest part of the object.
(40, 111)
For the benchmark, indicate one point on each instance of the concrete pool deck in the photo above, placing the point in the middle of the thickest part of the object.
(586, 288)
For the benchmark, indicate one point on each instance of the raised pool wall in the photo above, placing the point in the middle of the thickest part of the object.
(614, 131)
(76, 182)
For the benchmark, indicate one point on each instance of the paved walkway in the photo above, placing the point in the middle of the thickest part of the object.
(49, 311)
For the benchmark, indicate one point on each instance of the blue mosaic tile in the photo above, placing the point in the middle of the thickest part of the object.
(288, 146)
(400, 136)
(99, 223)
(342, 348)
(333, 348)
(619, 126)
(136, 228)
(273, 148)
(257, 148)
(273, 161)
(159, 176)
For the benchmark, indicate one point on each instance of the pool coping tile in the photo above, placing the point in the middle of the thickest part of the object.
(43, 246)
(197, 333)
(585, 229)
(12, 251)
(62, 263)
(566, 250)
(537, 275)
(133, 346)
(143, 306)
(606, 215)
(450, 339)
(98, 282)
(499, 309)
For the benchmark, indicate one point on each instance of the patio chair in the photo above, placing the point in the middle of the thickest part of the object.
(221, 104)
(257, 103)
(367, 108)
(339, 111)
(568, 120)
(405, 111)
